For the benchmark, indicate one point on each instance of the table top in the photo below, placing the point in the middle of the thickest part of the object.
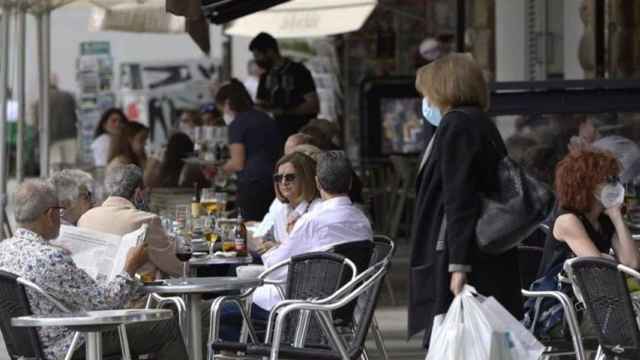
(202, 285)
(93, 318)
(192, 160)
(220, 260)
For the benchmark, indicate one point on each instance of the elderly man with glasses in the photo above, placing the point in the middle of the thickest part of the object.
(74, 189)
(29, 255)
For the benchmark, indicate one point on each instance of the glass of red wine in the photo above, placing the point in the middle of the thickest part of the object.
(183, 253)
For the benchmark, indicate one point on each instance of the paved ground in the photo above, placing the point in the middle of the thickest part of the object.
(393, 324)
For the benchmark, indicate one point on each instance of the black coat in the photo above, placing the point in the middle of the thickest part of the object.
(461, 167)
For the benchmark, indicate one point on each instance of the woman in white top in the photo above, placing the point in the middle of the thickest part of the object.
(110, 125)
(295, 187)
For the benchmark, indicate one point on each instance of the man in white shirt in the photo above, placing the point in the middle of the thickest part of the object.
(335, 221)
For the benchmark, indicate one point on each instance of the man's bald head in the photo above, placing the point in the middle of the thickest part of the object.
(295, 140)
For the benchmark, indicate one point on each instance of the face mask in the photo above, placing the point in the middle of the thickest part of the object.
(228, 118)
(265, 64)
(431, 113)
(611, 194)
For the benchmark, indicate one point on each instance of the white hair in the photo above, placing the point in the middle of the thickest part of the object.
(32, 199)
(71, 183)
(123, 180)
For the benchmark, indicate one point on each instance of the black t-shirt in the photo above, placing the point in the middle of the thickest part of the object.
(284, 87)
(556, 251)
(259, 134)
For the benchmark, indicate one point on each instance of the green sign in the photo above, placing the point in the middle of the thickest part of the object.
(95, 48)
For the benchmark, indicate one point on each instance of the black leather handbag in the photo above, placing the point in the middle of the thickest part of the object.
(515, 211)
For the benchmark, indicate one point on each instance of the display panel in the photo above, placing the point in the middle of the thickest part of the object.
(402, 128)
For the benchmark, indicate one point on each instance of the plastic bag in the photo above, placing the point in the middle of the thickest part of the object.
(479, 328)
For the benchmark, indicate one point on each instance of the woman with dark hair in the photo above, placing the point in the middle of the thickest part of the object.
(254, 146)
(128, 146)
(109, 125)
(170, 170)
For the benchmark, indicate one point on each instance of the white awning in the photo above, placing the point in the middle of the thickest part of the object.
(305, 18)
(147, 16)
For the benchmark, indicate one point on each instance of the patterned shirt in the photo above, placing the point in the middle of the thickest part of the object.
(31, 257)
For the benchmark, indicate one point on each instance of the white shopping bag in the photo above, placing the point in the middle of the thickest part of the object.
(465, 333)
(523, 345)
(479, 328)
(447, 334)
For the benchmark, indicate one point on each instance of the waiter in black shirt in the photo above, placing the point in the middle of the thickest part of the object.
(286, 89)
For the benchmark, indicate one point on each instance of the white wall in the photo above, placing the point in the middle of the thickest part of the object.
(240, 55)
(573, 29)
(69, 28)
(510, 40)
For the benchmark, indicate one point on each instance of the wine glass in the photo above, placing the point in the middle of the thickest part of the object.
(183, 253)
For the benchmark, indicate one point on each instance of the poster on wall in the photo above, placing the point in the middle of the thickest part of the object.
(94, 75)
(153, 93)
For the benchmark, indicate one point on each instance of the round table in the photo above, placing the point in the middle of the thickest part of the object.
(219, 260)
(92, 323)
(192, 293)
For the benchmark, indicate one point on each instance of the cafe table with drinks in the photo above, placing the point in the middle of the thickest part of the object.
(210, 239)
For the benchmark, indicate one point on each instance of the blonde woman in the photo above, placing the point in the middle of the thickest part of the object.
(461, 166)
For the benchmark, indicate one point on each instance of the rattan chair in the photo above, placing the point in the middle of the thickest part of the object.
(601, 285)
(310, 276)
(25, 342)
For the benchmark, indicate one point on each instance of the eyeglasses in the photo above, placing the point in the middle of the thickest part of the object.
(89, 196)
(288, 178)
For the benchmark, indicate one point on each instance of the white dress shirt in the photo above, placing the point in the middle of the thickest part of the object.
(101, 147)
(281, 218)
(332, 222)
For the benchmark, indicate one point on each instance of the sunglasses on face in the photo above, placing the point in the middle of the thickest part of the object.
(288, 178)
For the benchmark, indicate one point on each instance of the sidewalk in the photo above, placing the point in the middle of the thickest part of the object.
(392, 322)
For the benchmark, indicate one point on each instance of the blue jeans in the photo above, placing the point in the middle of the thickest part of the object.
(231, 321)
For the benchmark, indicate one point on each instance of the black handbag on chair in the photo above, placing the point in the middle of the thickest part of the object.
(515, 211)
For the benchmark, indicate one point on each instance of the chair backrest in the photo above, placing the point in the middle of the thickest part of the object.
(20, 342)
(604, 290)
(314, 275)
(365, 289)
(383, 248)
(359, 252)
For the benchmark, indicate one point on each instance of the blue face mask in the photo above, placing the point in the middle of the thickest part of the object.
(432, 114)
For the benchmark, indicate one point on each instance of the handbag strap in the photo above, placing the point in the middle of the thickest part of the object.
(491, 140)
(428, 151)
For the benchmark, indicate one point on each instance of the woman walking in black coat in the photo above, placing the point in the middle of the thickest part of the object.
(459, 165)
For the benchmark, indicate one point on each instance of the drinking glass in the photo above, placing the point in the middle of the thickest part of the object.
(221, 200)
(183, 253)
(208, 200)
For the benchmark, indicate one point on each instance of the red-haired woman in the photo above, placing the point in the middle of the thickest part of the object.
(589, 221)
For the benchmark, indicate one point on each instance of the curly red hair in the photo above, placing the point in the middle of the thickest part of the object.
(578, 175)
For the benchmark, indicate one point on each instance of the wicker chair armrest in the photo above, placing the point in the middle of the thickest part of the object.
(629, 271)
(569, 313)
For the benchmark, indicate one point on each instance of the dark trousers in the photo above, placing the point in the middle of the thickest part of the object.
(254, 199)
(231, 322)
(162, 338)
